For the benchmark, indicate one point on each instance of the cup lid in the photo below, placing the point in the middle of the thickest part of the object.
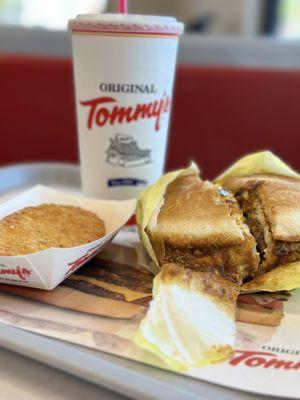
(126, 23)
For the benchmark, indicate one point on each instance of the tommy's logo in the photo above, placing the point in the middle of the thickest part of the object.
(104, 111)
(81, 260)
(262, 359)
(20, 272)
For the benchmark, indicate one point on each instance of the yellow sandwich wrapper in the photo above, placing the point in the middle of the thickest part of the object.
(263, 162)
(284, 277)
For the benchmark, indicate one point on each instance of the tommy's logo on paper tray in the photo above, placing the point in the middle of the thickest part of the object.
(20, 272)
(81, 260)
(103, 111)
(263, 359)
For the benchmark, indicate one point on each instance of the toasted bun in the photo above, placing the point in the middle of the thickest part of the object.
(193, 213)
(280, 200)
(238, 183)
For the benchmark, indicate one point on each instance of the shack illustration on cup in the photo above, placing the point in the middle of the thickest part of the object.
(124, 151)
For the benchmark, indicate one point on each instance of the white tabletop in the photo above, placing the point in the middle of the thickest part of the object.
(25, 379)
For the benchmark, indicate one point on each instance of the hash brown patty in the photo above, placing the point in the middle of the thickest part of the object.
(33, 229)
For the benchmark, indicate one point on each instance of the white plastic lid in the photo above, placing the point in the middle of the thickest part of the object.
(127, 23)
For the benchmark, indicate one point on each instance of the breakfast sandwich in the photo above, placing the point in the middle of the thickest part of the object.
(205, 237)
(200, 226)
(33, 229)
(271, 205)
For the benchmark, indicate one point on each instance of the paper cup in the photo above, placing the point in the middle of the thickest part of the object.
(124, 71)
(47, 268)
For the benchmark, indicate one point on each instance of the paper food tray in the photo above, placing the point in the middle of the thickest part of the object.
(47, 268)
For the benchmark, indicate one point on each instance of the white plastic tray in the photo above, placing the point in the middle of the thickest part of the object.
(130, 378)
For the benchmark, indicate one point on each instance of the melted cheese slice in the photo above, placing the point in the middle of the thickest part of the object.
(129, 294)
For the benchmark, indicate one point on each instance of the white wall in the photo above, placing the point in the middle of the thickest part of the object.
(227, 14)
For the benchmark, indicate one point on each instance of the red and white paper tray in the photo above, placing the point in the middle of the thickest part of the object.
(47, 268)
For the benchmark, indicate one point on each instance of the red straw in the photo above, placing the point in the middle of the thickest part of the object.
(123, 6)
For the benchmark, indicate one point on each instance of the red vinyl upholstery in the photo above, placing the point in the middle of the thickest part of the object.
(218, 115)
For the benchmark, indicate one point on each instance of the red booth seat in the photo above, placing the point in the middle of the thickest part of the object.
(218, 114)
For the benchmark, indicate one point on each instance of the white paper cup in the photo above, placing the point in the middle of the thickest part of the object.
(124, 70)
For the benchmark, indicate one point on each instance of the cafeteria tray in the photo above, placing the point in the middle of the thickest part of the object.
(124, 376)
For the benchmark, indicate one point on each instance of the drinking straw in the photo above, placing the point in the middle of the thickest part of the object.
(123, 6)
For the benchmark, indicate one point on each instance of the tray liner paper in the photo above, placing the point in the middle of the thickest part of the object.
(101, 305)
